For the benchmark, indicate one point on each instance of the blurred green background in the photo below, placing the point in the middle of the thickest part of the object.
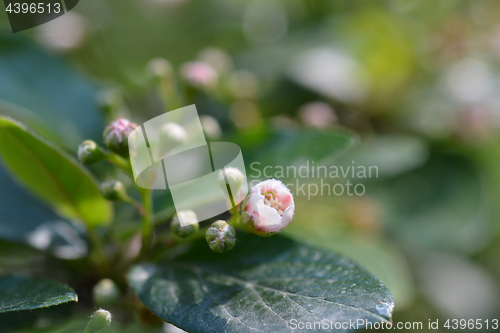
(417, 81)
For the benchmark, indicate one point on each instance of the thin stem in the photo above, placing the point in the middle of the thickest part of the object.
(120, 162)
(147, 219)
(97, 253)
(137, 205)
(235, 217)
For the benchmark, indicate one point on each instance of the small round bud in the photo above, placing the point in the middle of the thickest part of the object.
(89, 152)
(114, 190)
(219, 59)
(105, 293)
(318, 115)
(268, 209)
(99, 321)
(243, 85)
(160, 68)
(171, 136)
(221, 237)
(66, 34)
(187, 216)
(110, 101)
(116, 136)
(234, 178)
(210, 126)
(199, 74)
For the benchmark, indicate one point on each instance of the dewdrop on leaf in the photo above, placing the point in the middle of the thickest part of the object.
(268, 209)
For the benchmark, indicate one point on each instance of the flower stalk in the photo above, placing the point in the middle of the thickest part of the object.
(147, 220)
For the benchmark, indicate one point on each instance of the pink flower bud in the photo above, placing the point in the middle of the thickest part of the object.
(199, 74)
(116, 135)
(268, 209)
(317, 114)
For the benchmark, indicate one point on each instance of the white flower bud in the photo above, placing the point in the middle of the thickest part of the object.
(187, 216)
(160, 68)
(171, 136)
(99, 321)
(234, 178)
(105, 293)
(210, 126)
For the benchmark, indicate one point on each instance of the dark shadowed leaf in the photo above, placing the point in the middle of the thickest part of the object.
(20, 293)
(54, 176)
(38, 226)
(46, 93)
(260, 286)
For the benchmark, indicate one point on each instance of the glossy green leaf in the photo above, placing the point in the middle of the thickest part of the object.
(20, 293)
(51, 174)
(260, 286)
(325, 221)
(78, 323)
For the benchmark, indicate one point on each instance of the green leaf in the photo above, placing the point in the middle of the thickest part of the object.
(20, 293)
(294, 147)
(326, 221)
(445, 209)
(260, 286)
(38, 226)
(54, 176)
(46, 94)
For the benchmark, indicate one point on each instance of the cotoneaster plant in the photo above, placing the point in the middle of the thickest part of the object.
(239, 274)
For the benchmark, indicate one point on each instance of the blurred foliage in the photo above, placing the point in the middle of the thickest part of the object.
(418, 81)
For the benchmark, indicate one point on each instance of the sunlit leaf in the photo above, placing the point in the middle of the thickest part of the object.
(51, 174)
(20, 293)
